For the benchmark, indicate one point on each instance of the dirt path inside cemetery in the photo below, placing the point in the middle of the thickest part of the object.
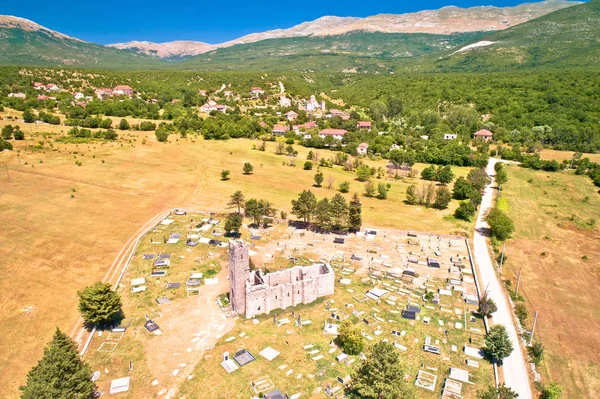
(514, 367)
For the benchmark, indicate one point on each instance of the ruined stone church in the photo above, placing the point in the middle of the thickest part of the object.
(252, 292)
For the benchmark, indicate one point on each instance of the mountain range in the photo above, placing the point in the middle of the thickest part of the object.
(445, 21)
(546, 34)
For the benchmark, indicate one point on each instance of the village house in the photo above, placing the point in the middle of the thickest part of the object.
(450, 136)
(305, 126)
(122, 90)
(364, 125)
(313, 105)
(279, 130)
(42, 97)
(285, 102)
(485, 134)
(103, 93)
(81, 104)
(228, 93)
(362, 149)
(337, 134)
(78, 95)
(202, 92)
(52, 87)
(256, 92)
(17, 95)
(291, 115)
(38, 86)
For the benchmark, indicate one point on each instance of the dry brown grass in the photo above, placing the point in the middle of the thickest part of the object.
(554, 231)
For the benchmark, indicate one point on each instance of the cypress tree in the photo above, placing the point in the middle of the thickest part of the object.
(60, 373)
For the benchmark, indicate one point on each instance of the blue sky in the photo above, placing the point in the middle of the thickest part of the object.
(110, 21)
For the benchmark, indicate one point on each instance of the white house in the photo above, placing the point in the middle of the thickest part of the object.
(285, 102)
(362, 148)
(122, 90)
(17, 95)
(291, 115)
(337, 134)
(485, 134)
(255, 92)
(78, 95)
(450, 136)
(52, 87)
(279, 130)
(103, 93)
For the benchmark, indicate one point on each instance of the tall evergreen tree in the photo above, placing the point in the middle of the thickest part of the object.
(355, 213)
(339, 211)
(380, 376)
(60, 373)
(304, 207)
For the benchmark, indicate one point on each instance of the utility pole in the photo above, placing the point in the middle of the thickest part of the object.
(518, 282)
(533, 328)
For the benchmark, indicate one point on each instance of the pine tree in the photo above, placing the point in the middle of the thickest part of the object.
(60, 373)
(380, 376)
(355, 214)
(236, 201)
(99, 304)
(498, 343)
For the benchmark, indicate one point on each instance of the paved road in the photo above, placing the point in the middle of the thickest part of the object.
(514, 367)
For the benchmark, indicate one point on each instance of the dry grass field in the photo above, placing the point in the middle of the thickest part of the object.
(63, 224)
(557, 243)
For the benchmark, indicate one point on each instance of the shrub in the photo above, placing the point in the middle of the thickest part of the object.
(350, 339)
(344, 187)
(465, 211)
(308, 165)
(521, 311)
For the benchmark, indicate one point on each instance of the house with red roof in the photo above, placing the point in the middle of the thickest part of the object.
(279, 130)
(484, 134)
(362, 148)
(305, 126)
(291, 115)
(42, 98)
(39, 86)
(122, 90)
(52, 87)
(17, 95)
(364, 125)
(337, 134)
(255, 92)
(104, 93)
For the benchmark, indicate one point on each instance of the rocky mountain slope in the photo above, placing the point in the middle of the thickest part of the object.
(181, 48)
(446, 20)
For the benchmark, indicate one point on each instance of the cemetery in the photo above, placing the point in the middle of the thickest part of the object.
(415, 290)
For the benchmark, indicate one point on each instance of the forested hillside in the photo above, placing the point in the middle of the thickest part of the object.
(562, 39)
(40, 47)
(355, 52)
